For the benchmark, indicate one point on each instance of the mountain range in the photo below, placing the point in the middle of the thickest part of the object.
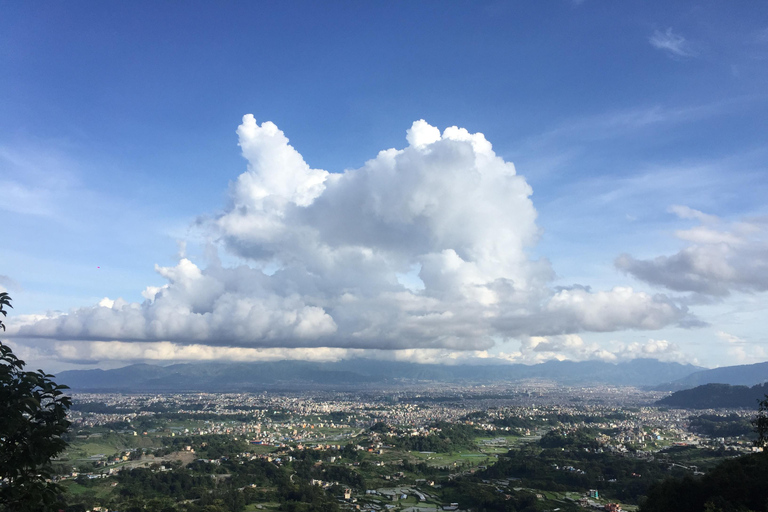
(356, 373)
(741, 375)
(362, 373)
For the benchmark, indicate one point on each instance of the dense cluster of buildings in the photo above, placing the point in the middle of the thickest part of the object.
(283, 419)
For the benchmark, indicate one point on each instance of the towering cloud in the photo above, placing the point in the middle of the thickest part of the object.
(422, 247)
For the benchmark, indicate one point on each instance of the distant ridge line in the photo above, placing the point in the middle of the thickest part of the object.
(739, 375)
(362, 373)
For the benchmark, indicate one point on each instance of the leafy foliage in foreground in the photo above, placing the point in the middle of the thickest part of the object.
(760, 423)
(734, 485)
(33, 418)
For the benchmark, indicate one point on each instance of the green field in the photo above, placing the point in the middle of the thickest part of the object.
(108, 445)
(100, 490)
(455, 459)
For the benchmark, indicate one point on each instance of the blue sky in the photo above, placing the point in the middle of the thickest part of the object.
(639, 128)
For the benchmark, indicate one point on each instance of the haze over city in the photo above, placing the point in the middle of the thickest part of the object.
(483, 182)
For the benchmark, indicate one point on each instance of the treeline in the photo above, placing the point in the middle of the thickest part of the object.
(98, 408)
(569, 461)
(552, 419)
(590, 418)
(450, 438)
(236, 486)
(472, 495)
(625, 478)
(201, 416)
(307, 467)
(715, 396)
(210, 446)
(145, 483)
(225, 486)
(577, 439)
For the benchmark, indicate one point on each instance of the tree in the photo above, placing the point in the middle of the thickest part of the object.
(5, 300)
(33, 417)
(760, 423)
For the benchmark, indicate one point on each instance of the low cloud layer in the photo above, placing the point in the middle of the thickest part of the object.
(537, 349)
(720, 258)
(742, 350)
(423, 248)
(530, 350)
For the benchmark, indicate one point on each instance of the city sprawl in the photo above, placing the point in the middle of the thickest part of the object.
(535, 446)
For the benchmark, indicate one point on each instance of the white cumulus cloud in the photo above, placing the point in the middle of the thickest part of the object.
(421, 248)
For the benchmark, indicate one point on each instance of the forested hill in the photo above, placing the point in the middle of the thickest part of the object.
(713, 396)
